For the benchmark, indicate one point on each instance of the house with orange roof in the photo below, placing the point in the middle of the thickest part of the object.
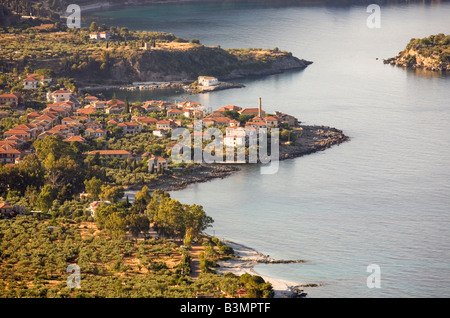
(93, 125)
(234, 123)
(89, 110)
(69, 120)
(189, 104)
(75, 138)
(50, 133)
(207, 81)
(90, 99)
(130, 127)
(5, 208)
(221, 121)
(115, 108)
(13, 99)
(271, 121)
(100, 133)
(30, 83)
(113, 122)
(29, 128)
(8, 143)
(19, 133)
(63, 130)
(208, 122)
(288, 119)
(60, 95)
(175, 112)
(8, 154)
(152, 105)
(252, 111)
(230, 108)
(33, 115)
(145, 120)
(165, 124)
(49, 118)
(157, 164)
(100, 105)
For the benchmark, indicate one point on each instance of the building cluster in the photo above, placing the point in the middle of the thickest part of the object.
(9, 211)
(68, 118)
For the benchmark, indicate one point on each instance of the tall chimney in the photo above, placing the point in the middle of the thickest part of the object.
(259, 108)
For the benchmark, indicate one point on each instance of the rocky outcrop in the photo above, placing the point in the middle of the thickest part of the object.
(413, 59)
(311, 139)
(431, 53)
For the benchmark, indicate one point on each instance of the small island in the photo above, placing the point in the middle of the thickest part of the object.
(431, 53)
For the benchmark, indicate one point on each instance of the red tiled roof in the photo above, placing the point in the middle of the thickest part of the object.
(5, 205)
(61, 91)
(16, 132)
(229, 107)
(8, 96)
(175, 110)
(75, 138)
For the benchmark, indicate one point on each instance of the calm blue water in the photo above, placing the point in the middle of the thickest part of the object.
(382, 198)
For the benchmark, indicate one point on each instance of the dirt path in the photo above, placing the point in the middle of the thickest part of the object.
(195, 259)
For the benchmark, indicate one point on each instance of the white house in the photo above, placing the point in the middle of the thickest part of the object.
(159, 133)
(208, 81)
(235, 136)
(105, 35)
(59, 95)
(157, 164)
(94, 36)
(30, 83)
(130, 127)
(164, 124)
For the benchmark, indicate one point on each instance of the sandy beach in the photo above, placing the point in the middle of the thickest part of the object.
(246, 259)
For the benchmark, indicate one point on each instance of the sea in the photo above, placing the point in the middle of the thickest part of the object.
(381, 200)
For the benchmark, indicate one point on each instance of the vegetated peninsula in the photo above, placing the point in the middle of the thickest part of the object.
(431, 53)
(123, 56)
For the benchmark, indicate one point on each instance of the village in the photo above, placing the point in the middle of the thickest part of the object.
(73, 119)
(86, 118)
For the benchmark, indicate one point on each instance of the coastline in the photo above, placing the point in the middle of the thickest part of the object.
(245, 261)
(313, 139)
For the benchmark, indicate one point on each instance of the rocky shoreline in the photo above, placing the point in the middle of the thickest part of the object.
(310, 139)
(418, 62)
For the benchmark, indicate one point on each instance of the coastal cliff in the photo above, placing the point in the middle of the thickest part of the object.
(189, 62)
(431, 53)
(124, 59)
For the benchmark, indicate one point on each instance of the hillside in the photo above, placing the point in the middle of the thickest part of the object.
(7, 18)
(431, 53)
(123, 59)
